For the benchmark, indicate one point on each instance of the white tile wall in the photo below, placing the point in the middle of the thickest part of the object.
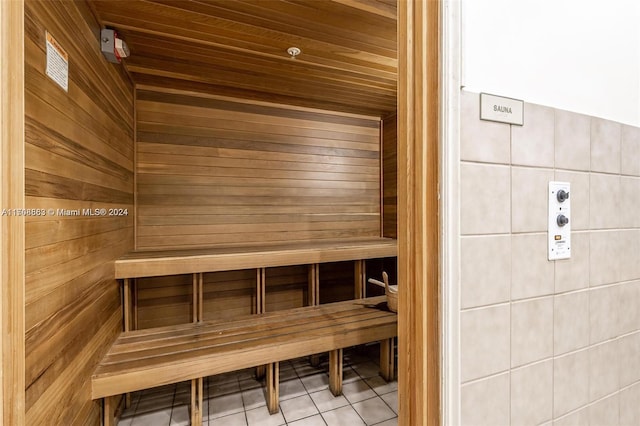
(485, 199)
(531, 331)
(571, 322)
(629, 348)
(605, 412)
(572, 141)
(604, 197)
(482, 141)
(529, 188)
(576, 418)
(532, 275)
(605, 145)
(569, 273)
(629, 407)
(630, 150)
(546, 342)
(604, 370)
(604, 258)
(532, 144)
(485, 340)
(603, 313)
(486, 274)
(570, 382)
(486, 402)
(532, 394)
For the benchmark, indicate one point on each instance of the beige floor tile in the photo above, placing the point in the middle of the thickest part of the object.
(298, 408)
(374, 410)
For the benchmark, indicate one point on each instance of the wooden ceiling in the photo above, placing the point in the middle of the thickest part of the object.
(238, 48)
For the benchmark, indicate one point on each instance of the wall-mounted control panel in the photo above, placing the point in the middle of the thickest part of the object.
(559, 231)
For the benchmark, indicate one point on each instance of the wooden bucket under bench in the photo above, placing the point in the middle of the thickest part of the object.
(142, 359)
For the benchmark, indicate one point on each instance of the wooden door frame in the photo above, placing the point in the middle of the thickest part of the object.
(12, 197)
(419, 378)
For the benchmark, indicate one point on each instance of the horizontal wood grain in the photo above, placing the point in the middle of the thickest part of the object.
(78, 155)
(148, 358)
(174, 262)
(241, 163)
(348, 60)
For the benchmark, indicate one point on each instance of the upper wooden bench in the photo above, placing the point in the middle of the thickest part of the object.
(190, 261)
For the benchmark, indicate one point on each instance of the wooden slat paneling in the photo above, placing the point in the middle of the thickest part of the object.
(164, 301)
(79, 155)
(238, 48)
(286, 287)
(214, 172)
(390, 177)
(336, 281)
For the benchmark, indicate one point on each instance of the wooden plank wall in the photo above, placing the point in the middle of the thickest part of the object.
(79, 154)
(390, 176)
(215, 172)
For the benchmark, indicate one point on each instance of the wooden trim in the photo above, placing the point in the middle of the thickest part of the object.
(418, 227)
(12, 250)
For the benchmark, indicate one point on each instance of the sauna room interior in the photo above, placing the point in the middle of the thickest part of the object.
(209, 176)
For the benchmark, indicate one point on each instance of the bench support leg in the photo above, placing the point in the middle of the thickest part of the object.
(196, 402)
(273, 387)
(129, 315)
(314, 300)
(387, 355)
(314, 360)
(335, 372)
(360, 274)
(260, 308)
(107, 412)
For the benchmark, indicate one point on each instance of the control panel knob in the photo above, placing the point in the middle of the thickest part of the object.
(562, 220)
(562, 195)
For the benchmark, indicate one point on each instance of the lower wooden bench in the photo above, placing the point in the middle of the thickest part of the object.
(144, 359)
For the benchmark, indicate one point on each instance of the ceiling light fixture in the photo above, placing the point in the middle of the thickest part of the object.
(293, 52)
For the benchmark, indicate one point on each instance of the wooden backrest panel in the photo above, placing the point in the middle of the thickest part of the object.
(78, 155)
(218, 172)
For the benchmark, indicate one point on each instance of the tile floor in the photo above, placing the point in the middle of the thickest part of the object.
(237, 399)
